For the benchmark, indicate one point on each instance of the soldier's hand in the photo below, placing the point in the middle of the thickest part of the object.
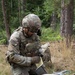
(46, 57)
(35, 59)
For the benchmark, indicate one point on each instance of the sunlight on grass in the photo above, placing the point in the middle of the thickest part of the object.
(62, 56)
(4, 67)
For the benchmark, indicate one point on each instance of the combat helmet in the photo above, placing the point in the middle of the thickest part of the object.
(31, 21)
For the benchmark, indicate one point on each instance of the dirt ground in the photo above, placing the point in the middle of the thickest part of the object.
(63, 58)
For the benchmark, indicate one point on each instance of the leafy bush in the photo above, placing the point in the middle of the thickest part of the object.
(3, 39)
(49, 35)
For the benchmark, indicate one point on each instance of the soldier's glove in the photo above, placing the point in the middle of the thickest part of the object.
(45, 57)
(35, 59)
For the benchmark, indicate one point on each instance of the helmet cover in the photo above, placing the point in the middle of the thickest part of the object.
(31, 21)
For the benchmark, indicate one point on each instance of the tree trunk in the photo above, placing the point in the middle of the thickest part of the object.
(24, 5)
(19, 11)
(21, 8)
(53, 22)
(8, 32)
(69, 18)
(67, 14)
(62, 19)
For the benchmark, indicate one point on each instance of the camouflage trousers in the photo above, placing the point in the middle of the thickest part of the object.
(20, 70)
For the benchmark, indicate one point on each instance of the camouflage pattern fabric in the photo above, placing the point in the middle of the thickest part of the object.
(20, 51)
(47, 58)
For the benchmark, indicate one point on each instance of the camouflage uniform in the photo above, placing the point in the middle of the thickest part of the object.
(23, 50)
(19, 52)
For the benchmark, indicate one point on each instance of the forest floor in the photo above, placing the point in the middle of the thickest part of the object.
(63, 58)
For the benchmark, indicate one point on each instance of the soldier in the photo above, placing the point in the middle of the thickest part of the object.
(24, 44)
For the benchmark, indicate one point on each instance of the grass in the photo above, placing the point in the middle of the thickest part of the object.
(63, 58)
(4, 67)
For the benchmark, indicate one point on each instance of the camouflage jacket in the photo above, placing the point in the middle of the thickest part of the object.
(22, 48)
